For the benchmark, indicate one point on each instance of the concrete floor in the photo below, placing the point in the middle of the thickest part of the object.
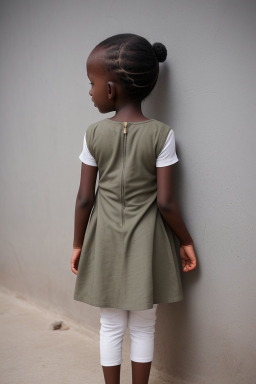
(32, 353)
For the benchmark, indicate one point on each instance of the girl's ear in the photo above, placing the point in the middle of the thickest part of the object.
(111, 90)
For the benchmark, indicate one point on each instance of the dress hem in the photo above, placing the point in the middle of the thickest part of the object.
(128, 306)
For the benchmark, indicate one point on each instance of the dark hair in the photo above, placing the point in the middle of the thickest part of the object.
(135, 61)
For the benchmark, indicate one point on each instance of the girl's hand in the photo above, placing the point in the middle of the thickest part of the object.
(75, 260)
(188, 257)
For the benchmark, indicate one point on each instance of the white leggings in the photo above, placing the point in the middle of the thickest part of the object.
(141, 326)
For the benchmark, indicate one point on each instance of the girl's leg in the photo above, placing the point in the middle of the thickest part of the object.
(142, 331)
(113, 326)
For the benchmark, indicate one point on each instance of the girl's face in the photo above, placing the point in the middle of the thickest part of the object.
(99, 79)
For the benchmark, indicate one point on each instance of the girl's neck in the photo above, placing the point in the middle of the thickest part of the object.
(129, 112)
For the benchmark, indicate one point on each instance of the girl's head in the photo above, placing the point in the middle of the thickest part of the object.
(128, 66)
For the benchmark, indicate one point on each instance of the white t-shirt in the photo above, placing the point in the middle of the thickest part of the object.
(166, 157)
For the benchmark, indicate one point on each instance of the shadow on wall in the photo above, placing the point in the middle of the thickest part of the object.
(176, 338)
(158, 104)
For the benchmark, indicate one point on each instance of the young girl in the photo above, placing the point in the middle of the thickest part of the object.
(124, 252)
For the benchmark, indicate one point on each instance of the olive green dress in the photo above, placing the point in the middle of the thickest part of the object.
(129, 254)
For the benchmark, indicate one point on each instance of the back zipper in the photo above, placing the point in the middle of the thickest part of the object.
(122, 181)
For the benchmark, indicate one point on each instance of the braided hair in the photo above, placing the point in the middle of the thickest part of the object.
(135, 62)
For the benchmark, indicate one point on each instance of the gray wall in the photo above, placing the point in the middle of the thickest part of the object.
(206, 92)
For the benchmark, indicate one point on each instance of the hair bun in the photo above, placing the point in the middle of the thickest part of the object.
(160, 51)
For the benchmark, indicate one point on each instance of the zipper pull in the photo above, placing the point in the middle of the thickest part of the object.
(125, 125)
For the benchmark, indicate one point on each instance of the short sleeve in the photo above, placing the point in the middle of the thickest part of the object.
(168, 154)
(85, 156)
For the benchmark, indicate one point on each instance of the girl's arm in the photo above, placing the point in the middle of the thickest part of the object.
(84, 203)
(169, 209)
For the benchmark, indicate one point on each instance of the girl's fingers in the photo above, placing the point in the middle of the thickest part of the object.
(73, 267)
(191, 266)
(75, 261)
(188, 258)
